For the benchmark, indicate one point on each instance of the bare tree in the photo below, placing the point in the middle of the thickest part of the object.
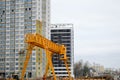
(81, 69)
(77, 69)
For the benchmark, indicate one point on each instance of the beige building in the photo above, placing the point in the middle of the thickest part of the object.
(98, 68)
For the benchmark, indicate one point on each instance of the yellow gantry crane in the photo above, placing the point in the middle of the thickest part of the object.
(50, 48)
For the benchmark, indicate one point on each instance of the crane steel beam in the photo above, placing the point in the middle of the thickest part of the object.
(40, 41)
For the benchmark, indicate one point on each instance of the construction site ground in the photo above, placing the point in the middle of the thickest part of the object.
(51, 78)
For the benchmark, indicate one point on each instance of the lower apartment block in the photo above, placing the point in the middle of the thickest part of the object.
(63, 34)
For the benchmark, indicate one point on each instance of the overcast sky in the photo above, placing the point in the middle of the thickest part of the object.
(96, 28)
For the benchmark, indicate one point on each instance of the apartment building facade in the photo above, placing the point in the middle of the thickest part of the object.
(63, 34)
(18, 17)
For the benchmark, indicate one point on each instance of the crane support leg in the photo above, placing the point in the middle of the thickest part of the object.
(46, 70)
(49, 64)
(28, 55)
(67, 69)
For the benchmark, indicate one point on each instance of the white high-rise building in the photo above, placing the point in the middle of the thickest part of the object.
(18, 17)
(63, 34)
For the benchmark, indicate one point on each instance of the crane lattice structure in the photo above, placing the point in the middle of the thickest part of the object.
(50, 48)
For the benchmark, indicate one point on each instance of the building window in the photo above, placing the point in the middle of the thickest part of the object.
(29, 8)
(16, 68)
(16, 63)
(12, 10)
(33, 63)
(33, 68)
